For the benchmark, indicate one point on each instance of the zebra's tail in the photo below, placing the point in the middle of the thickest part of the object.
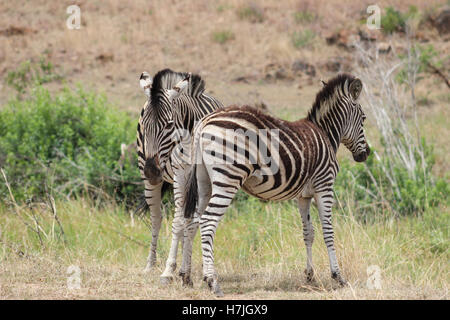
(191, 193)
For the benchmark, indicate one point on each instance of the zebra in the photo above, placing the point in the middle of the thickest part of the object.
(175, 101)
(302, 165)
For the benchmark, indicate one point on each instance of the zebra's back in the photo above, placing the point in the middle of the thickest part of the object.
(279, 159)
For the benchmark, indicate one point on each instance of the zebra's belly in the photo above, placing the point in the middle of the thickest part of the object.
(262, 188)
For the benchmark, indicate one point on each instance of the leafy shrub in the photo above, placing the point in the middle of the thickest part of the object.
(406, 194)
(395, 21)
(222, 36)
(392, 21)
(30, 74)
(70, 141)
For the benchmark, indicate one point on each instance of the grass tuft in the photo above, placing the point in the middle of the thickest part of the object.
(223, 36)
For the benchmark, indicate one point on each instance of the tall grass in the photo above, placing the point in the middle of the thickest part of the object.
(259, 247)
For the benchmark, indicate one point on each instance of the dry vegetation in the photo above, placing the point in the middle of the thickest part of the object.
(257, 259)
(246, 51)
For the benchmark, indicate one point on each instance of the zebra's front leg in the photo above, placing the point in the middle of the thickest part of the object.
(304, 205)
(178, 224)
(153, 197)
(324, 202)
(171, 263)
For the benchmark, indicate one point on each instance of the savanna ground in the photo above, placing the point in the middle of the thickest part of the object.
(245, 56)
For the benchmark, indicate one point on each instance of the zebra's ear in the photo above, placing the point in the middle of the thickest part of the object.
(145, 82)
(355, 88)
(179, 88)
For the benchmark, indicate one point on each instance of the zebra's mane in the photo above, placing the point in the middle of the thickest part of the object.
(167, 79)
(325, 97)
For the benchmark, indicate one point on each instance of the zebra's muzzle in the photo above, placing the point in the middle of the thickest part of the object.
(152, 171)
(362, 156)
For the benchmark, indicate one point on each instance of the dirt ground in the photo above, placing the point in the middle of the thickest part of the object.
(46, 279)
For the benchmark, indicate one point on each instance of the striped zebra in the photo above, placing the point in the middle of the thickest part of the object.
(296, 160)
(175, 101)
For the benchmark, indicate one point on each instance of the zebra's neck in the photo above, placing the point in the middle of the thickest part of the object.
(331, 120)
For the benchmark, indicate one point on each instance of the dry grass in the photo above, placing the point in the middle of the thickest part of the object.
(259, 254)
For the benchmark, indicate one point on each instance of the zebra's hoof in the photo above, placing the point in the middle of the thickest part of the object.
(148, 268)
(214, 287)
(337, 276)
(166, 280)
(309, 275)
(218, 292)
(187, 281)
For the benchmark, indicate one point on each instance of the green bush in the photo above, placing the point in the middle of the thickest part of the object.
(395, 21)
(30, 74)
(71, 142)
(370, 187)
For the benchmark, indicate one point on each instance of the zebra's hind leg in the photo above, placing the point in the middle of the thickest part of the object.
(153, 197)
(324, 202)
(222, 194)
(204, 195)
(190, 230)
(304, 205)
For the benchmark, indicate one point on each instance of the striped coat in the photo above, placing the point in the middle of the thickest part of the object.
(176, 101)
(232, 149)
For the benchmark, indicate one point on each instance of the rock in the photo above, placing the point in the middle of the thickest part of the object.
(105, 57)
(338, 64)
(384, 47)
(16, 31)
(364, 36)
(276, 72)
(442, 22)
(304, 67)
(340, 38)
(332, 65)
(244, 79)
